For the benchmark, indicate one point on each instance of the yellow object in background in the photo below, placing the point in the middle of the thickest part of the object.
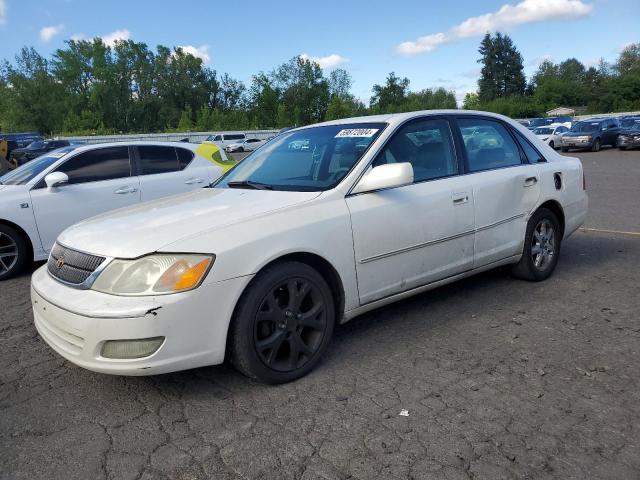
(4, 149)
(216, 156)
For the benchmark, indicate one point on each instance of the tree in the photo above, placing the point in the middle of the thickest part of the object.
(390, 97)
(471, 101)
(629, 60)
(502, 72)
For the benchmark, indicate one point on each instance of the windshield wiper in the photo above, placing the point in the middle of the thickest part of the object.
(249, 184)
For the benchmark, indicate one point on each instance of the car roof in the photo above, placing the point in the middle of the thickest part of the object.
(92, 146)
(397, 118)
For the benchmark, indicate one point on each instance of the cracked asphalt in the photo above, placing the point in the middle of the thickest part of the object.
(500, 378)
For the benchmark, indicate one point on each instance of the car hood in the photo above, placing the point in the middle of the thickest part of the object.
(630, 131)
(579, 134)
(134, 231)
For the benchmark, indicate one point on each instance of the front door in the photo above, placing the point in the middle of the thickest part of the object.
(99, 180)
(409, 236)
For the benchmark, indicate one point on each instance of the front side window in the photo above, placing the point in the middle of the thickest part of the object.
(97, 165)
(488, 144)
(157, 159)
(311, 159)
(234, 136)
(425, 144)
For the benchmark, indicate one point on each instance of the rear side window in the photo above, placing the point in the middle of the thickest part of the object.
(531, 153)
(426, 145)
(234, 136)
(488, 144)
(157, 159)
(184, 157)
(98, 165)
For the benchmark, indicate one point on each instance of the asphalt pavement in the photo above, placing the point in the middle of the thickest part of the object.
(487, 378)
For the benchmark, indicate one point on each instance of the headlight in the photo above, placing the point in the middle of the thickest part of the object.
(154, 274)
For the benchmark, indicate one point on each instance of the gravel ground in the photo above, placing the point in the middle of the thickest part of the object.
(496, 378)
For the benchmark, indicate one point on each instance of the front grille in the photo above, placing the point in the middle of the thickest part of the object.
(72, 266)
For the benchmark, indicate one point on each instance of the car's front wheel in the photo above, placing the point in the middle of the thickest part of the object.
(13, 252)
(541, 247)
(552, 145)
(596, 145)
(282, 324)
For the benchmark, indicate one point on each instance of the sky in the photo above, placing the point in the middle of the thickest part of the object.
(434, 44)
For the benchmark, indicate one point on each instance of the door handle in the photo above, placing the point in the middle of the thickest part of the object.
(531, 181)
(460, 198)
(193, 180)
(125, 190)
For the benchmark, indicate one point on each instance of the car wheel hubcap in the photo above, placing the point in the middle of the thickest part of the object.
(543, 246)
(8, 253)
(290, 325)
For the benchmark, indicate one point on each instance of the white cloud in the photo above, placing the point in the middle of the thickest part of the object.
(47, 33)
(76, 37)
(3, 12)
(199, 52)
(328, 62)
(110, 39)
(535, 62)
(506, 17)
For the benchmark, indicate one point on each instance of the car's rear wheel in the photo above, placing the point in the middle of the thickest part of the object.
(13, 252)
(596, 145)
(282, 324)
(564, 149)
(541, 247)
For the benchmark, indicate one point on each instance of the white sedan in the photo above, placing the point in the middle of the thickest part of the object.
(248, 145)
(41, 198)
(551, 134)
(292, 241)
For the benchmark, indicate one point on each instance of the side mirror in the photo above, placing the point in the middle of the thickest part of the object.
(56, 179)
(385, 176)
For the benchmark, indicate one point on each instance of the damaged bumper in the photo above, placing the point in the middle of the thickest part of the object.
(170, 332)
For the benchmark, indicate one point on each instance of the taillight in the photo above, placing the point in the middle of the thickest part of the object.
(584, 182)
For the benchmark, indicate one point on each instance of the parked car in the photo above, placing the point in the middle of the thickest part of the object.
(565, 120)
(539, 122)
(44, 196)
(223, 140)
(591, 134)
(292, 241)
(629, 136)
(551, 134)
(21, 140)
(629, 122)
(21, 156)
(249, 145)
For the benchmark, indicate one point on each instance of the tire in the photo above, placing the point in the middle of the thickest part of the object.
(276, 336)
(11, 242)
(596, 145)
(552, 145)
(564, 149)
(539, 255)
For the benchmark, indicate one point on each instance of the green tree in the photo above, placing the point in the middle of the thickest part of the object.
(471, 101)
(390, 97)
(502, 72)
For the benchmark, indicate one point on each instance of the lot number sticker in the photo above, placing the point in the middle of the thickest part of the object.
(356, 133)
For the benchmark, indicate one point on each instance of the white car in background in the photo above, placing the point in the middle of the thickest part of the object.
(292, 241)
(249, 145)
(223, 140)
(41, 198)
(551, 134)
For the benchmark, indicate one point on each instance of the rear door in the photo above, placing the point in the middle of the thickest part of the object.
(505, 187)
(99, 180)
(167, 170)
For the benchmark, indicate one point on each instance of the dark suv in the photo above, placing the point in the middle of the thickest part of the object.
(20, 156)
(591, 134)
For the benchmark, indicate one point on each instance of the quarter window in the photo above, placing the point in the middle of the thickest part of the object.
(97, 165)
(184, 157)
(157, 159)
(531, 153)
(426, 145)
(488, 144)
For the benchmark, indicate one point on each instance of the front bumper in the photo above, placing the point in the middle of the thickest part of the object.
(76, 323)
(629, 141)
(576, 143)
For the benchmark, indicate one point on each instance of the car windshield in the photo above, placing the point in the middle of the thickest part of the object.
(629, 122)
(536, 122)
(543, 131)
(585, 127)
(36, 145)
(29, 170)
(311, 159)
